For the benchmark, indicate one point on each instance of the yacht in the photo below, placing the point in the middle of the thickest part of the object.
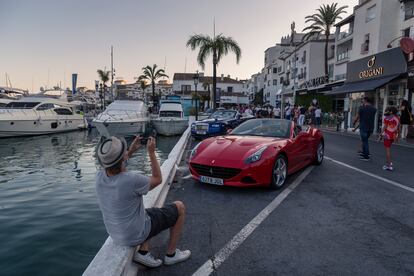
(38, 115)
(171, 120)
(122, 118)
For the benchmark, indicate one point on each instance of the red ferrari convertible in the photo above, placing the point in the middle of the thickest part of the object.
(259, 152)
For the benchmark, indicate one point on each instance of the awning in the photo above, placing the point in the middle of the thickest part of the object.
(362, 86)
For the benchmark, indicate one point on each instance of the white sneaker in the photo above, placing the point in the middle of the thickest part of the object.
(180, 256)
(148, 260)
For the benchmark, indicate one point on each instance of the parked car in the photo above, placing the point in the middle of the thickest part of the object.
(216, 124)
(259, 152)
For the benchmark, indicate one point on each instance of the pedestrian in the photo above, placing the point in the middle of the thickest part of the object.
(406, 118)
(318, 114)
(276, 112)
(119, 194)
(366, 118)
(288, 112)
(390, 127)
(296, 113)
(248, 111)
(302, 115)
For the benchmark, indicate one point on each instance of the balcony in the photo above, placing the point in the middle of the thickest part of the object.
(344, 35)
(343, 56)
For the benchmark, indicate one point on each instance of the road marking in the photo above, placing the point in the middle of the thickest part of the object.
(187, 176)
(372, 175)
(208, 267)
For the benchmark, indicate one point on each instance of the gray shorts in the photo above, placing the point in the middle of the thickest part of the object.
(162, 218)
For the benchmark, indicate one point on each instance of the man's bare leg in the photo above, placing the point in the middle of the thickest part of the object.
(144, 246)
(176, 230)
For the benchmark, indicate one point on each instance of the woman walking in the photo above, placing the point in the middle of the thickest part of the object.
(406, 118)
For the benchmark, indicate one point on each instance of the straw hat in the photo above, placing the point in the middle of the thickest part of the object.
(111, 151)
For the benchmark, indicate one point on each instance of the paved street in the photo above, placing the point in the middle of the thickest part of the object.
(346, 217)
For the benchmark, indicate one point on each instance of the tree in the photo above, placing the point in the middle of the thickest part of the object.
(258, 98)
(152, 74)
(218, 46)
(104, 76)
(322, 22)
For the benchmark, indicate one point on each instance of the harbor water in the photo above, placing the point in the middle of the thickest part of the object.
(50, 223)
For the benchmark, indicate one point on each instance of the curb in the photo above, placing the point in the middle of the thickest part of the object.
(116, 260)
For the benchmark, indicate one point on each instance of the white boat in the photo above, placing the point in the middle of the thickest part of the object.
(122, 118)
(171, 120)
(38, 115)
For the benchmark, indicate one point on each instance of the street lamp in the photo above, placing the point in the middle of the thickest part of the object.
(196, 80)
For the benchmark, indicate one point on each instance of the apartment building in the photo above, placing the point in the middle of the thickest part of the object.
(369, 59)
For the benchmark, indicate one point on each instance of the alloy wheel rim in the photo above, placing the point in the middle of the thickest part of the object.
(320, 152)
(279, 172)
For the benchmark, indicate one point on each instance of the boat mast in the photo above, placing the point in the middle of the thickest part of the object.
(112, 71)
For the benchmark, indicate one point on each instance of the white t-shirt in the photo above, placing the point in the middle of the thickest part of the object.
(318, 113)
(276, 111)
(288, 110)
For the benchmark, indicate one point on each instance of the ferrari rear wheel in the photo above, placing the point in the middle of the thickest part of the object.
(279, 172)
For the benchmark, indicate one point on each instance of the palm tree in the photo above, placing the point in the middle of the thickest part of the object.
(218, 46)
(104, 76)
(151, 74)
(322, 22)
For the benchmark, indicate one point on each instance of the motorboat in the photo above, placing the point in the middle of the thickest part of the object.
(171, 120)
(36, 115)
(123, 118)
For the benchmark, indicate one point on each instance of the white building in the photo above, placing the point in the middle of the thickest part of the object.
(230, 91)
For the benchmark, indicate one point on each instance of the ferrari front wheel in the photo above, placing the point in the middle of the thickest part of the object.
(320, 152)
(279, 172)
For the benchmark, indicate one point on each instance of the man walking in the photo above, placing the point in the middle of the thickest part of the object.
(119, 194)
(366, 118)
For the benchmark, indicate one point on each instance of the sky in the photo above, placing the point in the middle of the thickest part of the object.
(42, 42)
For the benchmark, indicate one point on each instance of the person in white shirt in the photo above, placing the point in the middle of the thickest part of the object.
(318, 113)
(276, 112)
(288, 112)
(248, 111)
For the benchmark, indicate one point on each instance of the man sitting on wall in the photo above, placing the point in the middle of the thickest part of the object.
(120, 199)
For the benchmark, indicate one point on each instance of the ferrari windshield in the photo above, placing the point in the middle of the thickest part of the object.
(264, 127)
(223, 114)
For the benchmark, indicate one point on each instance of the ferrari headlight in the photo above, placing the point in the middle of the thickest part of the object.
(194, 151)
(255, 156)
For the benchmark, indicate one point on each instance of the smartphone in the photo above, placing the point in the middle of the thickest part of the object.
(149, 132)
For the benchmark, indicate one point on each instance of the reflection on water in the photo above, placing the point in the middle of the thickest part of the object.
(49, 217)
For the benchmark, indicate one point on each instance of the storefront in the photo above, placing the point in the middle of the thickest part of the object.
(381, 77)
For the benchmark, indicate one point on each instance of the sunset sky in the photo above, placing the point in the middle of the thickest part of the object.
(44, 41)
